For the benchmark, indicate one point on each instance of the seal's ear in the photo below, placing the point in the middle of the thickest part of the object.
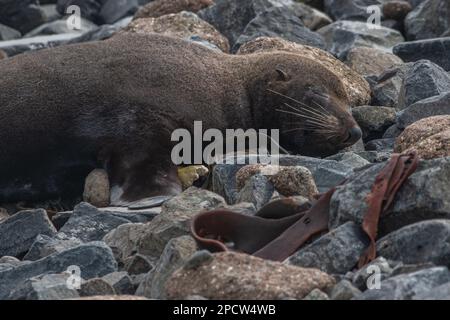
(282, 76)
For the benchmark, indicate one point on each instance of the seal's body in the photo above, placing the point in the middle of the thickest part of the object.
(115, 104)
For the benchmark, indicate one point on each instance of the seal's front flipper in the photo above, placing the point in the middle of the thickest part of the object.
(145, 183)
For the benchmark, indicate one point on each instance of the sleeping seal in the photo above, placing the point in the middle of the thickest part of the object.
(114, 104)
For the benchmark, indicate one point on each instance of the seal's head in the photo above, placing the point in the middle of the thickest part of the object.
(309, 105)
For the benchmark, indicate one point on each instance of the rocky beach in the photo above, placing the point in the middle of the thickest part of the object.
(393, 59)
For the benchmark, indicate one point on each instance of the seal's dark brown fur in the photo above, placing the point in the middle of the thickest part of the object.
(66, 110)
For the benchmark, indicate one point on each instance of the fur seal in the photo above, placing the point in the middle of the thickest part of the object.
(114, 105)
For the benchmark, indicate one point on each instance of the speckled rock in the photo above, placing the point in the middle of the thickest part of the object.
(180, 25)
(96, 188)
(174, 219)
(238, 276)
(294, 181)
(373, 120)
(370, 61)
(288, 181)
(429, 137)
(357, 88)
(316, 294)
(160, 8)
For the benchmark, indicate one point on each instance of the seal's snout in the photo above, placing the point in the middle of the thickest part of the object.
(354, 134)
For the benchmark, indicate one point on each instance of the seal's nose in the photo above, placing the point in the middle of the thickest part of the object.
(354, 134)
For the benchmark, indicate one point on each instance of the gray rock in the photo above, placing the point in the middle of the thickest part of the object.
(96, 287)
(375, 156)
(124, 240)
(7, 33)
(257, 190)
(342, 36)
(381, 145)
(279, 22)
(312, 18)
(378, 266)
(44, 287)
(406, 286)
(426, 241)
(386, 89)
(231, 17)
(326, 173)
(94, 259)
(316, 294)
(434, 106)
(114, 10)
(436, 50)
(23, 17)
(89, 8)
(423, 196)
(59, 27)
(175, 254)
(224, 181)
(174, 219)
(44, 246)
(344, 290)
(138, 264)
(401, 268)
(242, 207)
(392, 132)
(14, 47)
(349, 9)
(351, 159)
(373, 121)
(17, 233)
(335, 252)
(121, 282)
(102, 32)
(87, 223)
(431, 19)
(441, 292)
(423, 80)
